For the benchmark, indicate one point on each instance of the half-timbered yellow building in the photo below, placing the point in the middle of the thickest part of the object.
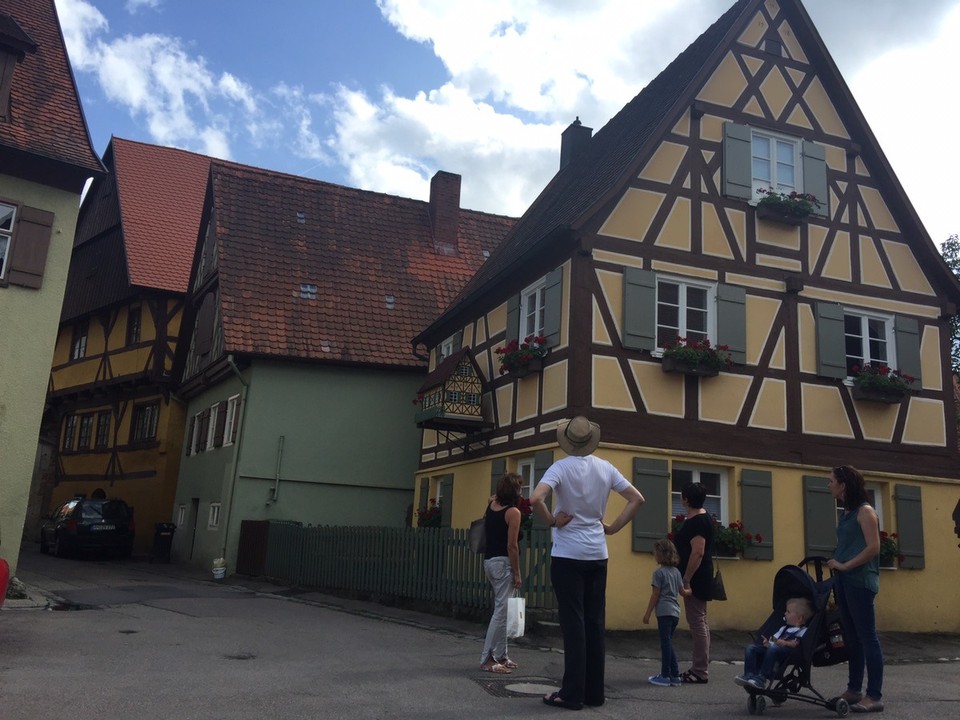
(656, 228)
(119, 425)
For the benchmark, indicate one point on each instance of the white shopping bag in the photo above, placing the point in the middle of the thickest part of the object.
(516, 611)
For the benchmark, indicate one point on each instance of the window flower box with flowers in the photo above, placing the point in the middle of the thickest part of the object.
(695, 357)
(787, 208)
(519, 359)
(890, 555)
(430, 516)
(728, 540)
(878, 383)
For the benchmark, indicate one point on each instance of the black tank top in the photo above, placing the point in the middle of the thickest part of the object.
(496, 525)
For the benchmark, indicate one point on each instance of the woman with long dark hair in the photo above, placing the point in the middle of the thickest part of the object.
(857, 580)
(502, 567)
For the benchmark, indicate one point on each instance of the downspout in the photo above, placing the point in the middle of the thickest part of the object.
(275, 492)
(236, 451)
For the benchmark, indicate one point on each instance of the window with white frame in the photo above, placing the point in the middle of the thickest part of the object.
(776, 164)
(685, 309)
(213, 520)
(868, 338)
(69, 431)
(78, 348)
(525, 470)
(712, 478)
(533, 309)
(7, 216)
(197, 430)
(231, 422)
(212, 425)
(446, 348)
(181, 515)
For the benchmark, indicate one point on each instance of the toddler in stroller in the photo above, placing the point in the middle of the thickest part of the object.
(792, 639)
(761, 658)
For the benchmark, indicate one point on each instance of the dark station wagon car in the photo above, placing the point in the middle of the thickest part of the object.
(89, 524)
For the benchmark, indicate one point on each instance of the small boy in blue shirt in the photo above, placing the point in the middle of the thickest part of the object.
(760, 658)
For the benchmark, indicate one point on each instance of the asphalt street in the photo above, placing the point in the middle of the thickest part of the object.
(107, 639)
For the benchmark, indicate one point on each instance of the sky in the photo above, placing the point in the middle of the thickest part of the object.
(381, 94)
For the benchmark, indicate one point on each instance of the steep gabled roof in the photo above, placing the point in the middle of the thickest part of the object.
(613, 153)
(46, 118)
(161, 192)
(358, 248)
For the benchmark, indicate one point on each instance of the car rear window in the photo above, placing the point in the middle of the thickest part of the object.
(105, 509)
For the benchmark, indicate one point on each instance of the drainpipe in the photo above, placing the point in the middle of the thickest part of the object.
(236, 452)
(275, 492)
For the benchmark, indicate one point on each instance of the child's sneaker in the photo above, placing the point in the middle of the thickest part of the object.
(757, 681)
(742, 680)
(676, 681)
(659, 680)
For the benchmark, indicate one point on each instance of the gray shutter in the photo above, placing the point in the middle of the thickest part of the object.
(732, 320)
(756, 502)
(652, 521)
(815, 175)
(906, 330)
(498, 468)
(541, 462)
(831, 348)
(737, 169)
(819, 517)
(457, 340)
(221, 424)
(553, 307)
(28, 247)
(639, 309)
(446, 499)
(513, 318)
(909, 525)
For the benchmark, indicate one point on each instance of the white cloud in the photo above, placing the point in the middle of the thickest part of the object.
(134, 5)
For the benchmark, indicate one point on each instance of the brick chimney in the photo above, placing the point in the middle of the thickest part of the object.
(445, 212)
(573, 141)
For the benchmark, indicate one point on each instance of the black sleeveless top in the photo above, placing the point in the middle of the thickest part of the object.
(495, 522)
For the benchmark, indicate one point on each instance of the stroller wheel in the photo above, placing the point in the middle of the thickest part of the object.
(842, 707)
(756, 704)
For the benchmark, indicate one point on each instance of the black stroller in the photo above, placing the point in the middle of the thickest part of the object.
(820, 646)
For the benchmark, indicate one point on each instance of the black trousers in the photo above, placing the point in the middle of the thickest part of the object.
(581, 590)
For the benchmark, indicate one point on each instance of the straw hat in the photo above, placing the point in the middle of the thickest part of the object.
(578, 436)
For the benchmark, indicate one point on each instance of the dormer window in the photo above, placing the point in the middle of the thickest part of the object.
(14, 45)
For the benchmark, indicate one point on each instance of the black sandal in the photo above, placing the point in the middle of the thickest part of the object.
(557, 701)
(691, 678)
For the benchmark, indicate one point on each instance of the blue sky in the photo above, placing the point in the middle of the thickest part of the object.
(380, 94)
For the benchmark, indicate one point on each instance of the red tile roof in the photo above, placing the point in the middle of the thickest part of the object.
(161, 192)
(357, 247)
(46, 117)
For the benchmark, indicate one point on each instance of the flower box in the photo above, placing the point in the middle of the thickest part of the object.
(676, 365)
(891, 396)
(521, 371)
(768, 213)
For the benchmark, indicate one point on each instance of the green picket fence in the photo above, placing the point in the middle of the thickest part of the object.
(429, 564)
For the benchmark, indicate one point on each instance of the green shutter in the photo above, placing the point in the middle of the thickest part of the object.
(553, 307)
(737, 170)
(815, 175)
(907, 333)
(498, 468)
(513, 318)
(541, 461)
(446, 499)
(831, 348)
(652, 521)
(639, 309)
(909, 525)
(819, 517)
(424, 493)
(756, 502)
(732, 320)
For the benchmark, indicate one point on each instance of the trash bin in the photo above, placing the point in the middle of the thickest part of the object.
(162, 542)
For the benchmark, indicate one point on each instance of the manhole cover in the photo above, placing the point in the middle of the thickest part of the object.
(510, 687)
